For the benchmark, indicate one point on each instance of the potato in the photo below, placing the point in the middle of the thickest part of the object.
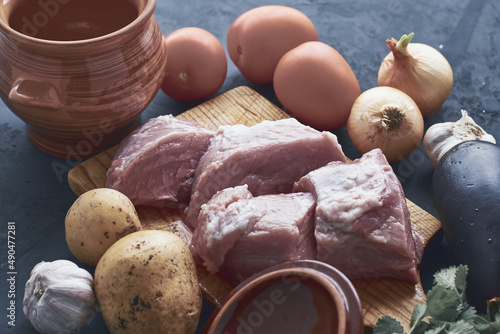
(96, 220)
(146, 283)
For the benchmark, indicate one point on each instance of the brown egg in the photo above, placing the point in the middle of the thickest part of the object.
(258, 38)
(316, 85)
(196, 64)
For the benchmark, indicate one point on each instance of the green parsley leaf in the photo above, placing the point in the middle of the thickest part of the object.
(418, 313)
(419, 326)
(445, 278)
(493, 328)
(442, 304)
(388, 325)
(439, 329)
(461, 327)
(446, 310)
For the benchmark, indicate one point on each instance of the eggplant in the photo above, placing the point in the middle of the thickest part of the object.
(466, 195)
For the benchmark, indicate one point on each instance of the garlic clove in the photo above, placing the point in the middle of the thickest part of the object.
(59, 298)
(441, 137)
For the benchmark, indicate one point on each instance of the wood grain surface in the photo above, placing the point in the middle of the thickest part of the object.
(245, 106)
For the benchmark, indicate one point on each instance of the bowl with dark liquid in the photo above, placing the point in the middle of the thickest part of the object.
(294, 297)
(79, 72)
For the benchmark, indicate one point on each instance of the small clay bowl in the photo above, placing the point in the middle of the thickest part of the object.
(294, 297)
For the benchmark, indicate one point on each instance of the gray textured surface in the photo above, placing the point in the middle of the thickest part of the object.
(33, 188)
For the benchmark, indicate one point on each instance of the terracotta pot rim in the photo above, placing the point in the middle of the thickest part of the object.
(141, 19)
(338, 286)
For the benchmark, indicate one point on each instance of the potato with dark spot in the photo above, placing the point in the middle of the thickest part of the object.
(147, 283)
(96, 220)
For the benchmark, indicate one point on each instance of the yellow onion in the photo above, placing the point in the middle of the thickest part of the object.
(386, 118)
(419, 70)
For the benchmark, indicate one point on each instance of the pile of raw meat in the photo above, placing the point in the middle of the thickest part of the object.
(273, 192)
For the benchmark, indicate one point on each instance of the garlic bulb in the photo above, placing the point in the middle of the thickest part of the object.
(386, 118)
(441, 137)
(419, 70)
(59, 298)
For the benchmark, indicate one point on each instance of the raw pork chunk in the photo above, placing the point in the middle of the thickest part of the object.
(155, 165)
(269, 157)
(363, 225)
(240, 235)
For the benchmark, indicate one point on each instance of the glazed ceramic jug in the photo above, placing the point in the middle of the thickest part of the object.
(79, 72)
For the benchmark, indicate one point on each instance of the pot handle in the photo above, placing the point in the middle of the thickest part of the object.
(35, 93)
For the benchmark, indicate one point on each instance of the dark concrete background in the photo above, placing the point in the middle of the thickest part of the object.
(33, 187)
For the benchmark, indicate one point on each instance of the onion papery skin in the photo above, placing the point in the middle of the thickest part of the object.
(427, 78)
(366, 123)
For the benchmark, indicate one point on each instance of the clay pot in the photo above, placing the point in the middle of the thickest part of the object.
(294, 297)
(79, 72)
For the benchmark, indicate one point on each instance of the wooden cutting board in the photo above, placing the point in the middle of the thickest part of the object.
(245, 106)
